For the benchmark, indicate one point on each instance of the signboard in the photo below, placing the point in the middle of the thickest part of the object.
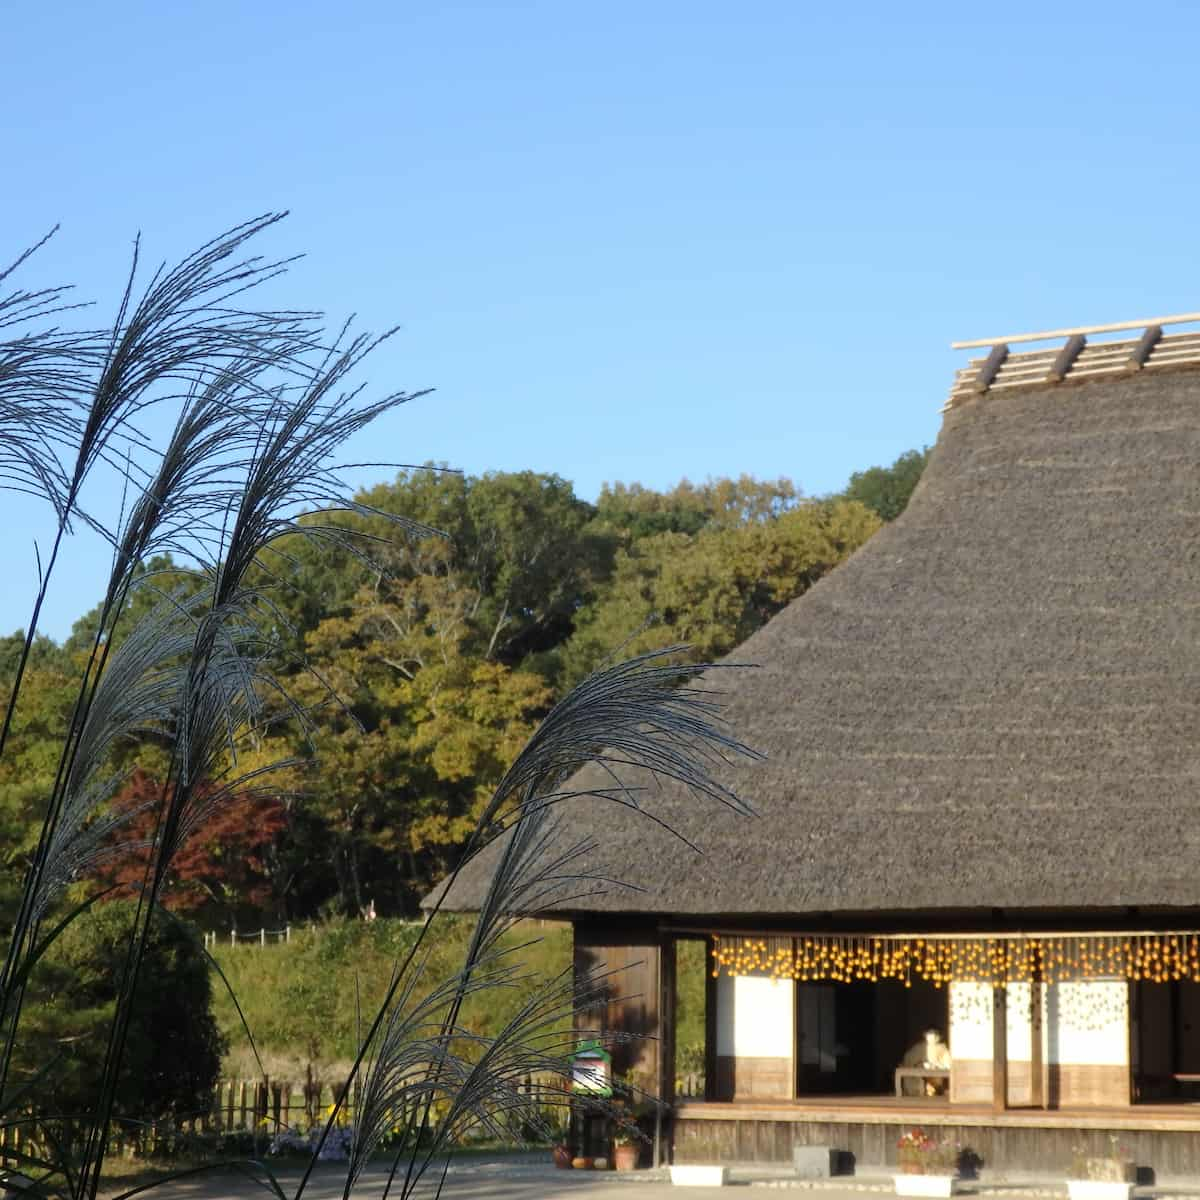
(591, 1070)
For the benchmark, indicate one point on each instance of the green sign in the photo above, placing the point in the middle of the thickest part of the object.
(591, 1070)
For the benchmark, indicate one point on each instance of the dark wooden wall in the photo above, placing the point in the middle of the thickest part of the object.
(627, 955)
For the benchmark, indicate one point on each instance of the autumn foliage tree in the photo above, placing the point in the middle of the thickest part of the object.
(224, 870)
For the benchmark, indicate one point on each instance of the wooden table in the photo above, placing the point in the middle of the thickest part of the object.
(925, 1074)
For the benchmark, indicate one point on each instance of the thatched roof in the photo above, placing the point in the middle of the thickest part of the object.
(994, 704)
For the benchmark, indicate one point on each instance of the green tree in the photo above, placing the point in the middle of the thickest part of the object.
(688, 507)
(712, 590)
(174, 1049)
(522, 542)
(422, 727)
(30, 760)
(886, 490)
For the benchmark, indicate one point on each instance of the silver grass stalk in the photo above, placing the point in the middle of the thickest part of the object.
(291, 465)
(182, 339)
(265, 408)
(639, 714)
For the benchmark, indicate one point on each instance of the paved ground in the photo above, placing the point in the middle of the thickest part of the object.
(504, 1180)
(536, 1180)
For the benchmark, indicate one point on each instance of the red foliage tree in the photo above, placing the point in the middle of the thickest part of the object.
(221, 871)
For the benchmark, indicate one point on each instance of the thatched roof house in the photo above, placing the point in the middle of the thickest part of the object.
(979, 811)
(994, 704)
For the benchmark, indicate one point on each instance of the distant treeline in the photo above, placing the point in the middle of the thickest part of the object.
(443, 651)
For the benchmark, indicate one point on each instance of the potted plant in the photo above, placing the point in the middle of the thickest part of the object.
(626, 1150)
(928, 1167)
(1109, 1176)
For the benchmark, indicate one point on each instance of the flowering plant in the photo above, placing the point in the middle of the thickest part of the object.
(920, 1154)
(1117, 1166)
(336, 1148)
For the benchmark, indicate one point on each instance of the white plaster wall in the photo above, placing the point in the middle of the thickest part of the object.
(1088, 1023)
(1084, 1023)
(1018, 1020)
(970, 1020)
(755, 1016)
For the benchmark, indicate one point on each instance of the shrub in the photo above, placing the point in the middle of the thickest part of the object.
(174, 1049)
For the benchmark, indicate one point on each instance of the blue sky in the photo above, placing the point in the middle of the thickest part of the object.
(624, 241)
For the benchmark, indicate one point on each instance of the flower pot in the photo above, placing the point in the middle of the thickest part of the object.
(626, 1156)
(581, 1163)
(562, 1157)
(1098, 1189)
(926, 1185)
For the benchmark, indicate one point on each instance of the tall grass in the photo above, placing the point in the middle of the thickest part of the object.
(304, 1000)
(261, 407)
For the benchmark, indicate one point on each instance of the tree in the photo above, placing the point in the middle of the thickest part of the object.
(688, 507)
(712, 590)
(886, 490)
(30, 759)
(221, 874)
(174, 1048)
(422, 729)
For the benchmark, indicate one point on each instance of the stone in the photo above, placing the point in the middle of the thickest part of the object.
(813, 1162)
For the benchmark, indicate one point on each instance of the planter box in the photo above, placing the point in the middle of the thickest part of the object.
(926, 1185)
(695, 1175)
(1098, 1189)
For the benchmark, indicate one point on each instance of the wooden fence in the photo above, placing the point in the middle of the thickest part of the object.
(258, 1107)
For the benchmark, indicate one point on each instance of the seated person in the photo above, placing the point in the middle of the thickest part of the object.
(933, 1054)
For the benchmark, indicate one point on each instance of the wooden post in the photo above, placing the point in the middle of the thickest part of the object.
(665, 1051)
(1064, 360)
(990, 368)
(999, 1047)
(710, 1027)
(233, 937)
(262, 937)
(242, 1105)
(1141, 352)
(1037, 1081)
(287, 935)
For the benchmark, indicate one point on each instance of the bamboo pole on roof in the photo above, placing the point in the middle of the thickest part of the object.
(1046, 335)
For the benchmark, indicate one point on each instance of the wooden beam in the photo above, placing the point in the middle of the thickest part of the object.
(1065, 358)
(710, 1026)
(1137, 358)
(665, 1058)
(999, 1049)
(990, 369)
(1037, 1067)
(1047, 334)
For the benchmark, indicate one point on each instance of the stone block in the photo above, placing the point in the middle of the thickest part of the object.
(813, 1162)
